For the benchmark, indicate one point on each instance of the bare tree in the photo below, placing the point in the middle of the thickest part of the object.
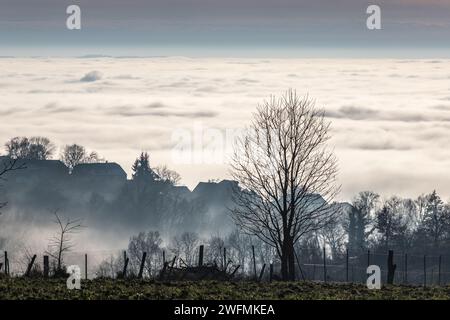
(238, 250)
(361, 220)
(8, 166)
(72, 155)
(75, 154)
(185, 246)
(334, 234)
(36, 148)
(167, 175)
(62, 241)
(287, 175)
(151, 243)
(214, 251)
(436, 222)
(391, 223)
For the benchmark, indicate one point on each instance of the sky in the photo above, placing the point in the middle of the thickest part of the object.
(255, 28)
(140, 74)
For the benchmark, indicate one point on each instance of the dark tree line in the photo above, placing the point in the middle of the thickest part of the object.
(419, 225)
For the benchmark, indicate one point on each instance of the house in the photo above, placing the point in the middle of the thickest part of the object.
(105, 179)
(37, 170)
(107, 170)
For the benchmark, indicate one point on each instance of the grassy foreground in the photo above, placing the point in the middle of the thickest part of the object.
(20, 288)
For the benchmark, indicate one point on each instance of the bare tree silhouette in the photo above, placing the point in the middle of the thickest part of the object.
(287, 175)
(8, 166)
(62, 241)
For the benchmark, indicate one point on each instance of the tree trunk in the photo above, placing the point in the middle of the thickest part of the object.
(284, 264)
(288, 260)
(291, 259)
(291, 264)
(391, 267)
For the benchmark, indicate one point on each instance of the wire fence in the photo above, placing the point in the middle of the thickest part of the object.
(411, 269)
(432, 270)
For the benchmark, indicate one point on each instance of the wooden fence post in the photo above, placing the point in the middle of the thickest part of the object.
(164, 257)
(391, 267)
(224, 258)
(125, 264)
(346, 265)
(254, 262)
(324, 266)
(262, 272)
(141, 268)
(30, 265)
(85, 267)
(6, 263)
(235, 270)
(368, 257)
(46, 267)
(424, 270)
(200, 256)
(171, 266)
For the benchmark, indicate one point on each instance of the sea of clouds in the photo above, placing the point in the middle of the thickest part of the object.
(390, 118)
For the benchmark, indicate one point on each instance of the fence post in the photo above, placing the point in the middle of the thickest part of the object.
(254, 262)
(85, 267)
(164, 257)
(424, 270)
(262, 272)
(125, 264)
(224, 258)
(439, 275)
(141, 268)
(46, 267)
(200, 256)
(171, 266)
(235, 270)
(346, 265)
(391, 267)
(6, 263)
(368, 257)
(30, 265)
(406, 269)
(324, 266)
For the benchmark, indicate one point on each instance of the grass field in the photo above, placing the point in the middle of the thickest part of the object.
(20, 288)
